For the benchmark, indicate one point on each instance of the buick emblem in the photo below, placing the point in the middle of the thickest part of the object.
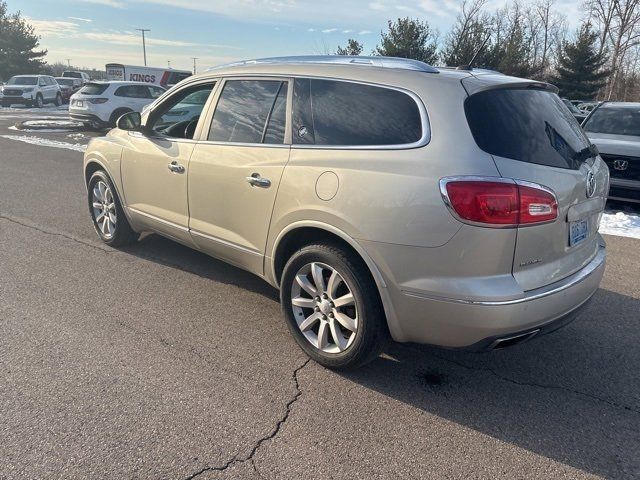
(620, 164)
(591, 184)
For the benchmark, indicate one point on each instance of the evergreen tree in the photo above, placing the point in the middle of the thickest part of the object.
(580, 72)
(353, 47)
(408, 38)
(512, 54)
(18, 44)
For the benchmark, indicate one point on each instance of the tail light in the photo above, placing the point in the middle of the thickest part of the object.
(499, 202)
(97, 101)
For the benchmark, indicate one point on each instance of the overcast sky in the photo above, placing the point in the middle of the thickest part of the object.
(95, 32)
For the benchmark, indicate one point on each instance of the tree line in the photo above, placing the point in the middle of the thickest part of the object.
(599, 60)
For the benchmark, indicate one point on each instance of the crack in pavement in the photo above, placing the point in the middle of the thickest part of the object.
(25, 223)
(270, 436)
(538, 385)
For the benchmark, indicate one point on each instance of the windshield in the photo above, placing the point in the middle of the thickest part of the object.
(65, 81)
(533, 126)
(615, 121)
(23, 81)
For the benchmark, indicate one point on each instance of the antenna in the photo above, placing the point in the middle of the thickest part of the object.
(469, 66)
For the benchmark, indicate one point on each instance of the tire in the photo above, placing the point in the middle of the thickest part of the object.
(39, 103)
(365, 313)
(58, 102)
(117, 114)
(101, 191)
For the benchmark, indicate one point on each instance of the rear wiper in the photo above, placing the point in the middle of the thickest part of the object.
(586, 153)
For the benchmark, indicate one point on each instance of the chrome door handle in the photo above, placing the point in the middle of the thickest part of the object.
(255, 180)
(175, 167)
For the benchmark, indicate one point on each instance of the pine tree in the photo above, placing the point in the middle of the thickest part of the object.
(408, 38)
(580, 72)
(18, 44)
(353, 47)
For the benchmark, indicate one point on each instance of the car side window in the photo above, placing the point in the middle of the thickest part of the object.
(42, 83)
(155, 92)
(340, 113)
(178, 115)
(250, 111)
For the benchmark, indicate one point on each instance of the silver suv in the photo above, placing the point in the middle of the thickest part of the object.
(31, 90)
(382, 196)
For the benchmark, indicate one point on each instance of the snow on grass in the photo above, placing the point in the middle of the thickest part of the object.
(43, 142)
(620, 223)
(41, 130)
(51, 123)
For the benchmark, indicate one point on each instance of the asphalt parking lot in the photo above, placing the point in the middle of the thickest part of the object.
(158, 362)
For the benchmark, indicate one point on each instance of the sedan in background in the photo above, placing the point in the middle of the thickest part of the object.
(68, 86)
(577, 114)
(100, 104)
(614, 127)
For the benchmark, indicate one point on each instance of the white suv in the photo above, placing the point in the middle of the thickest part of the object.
(31, 90)
(100, 104)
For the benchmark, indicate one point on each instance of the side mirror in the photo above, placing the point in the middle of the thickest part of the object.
(130, 121)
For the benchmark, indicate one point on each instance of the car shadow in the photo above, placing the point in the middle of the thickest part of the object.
(166, 252)
(572, 396)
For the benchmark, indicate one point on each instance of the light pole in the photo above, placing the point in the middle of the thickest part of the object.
(68, 62)
(144, 47)
(194, 64)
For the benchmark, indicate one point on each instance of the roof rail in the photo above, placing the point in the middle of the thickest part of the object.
(374, 61)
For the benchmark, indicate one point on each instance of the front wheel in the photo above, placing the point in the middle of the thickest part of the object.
(332, 307)
(106, 211)
(58, 101)
(39, 101)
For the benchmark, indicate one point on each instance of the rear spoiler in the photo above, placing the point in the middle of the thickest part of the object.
(482, 83)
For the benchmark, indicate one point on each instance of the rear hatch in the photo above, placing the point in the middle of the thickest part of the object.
(533, 137)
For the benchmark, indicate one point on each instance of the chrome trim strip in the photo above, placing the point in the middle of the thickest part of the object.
(225, 242)
(536, 294)
(160, 220)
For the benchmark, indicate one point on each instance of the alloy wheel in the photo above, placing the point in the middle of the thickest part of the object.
(104, 209)
(324, 307)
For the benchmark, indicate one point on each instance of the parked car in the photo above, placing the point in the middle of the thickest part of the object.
(100, 104)
(83, 77)
(323, 176)
(68, 86)
(31, 90)
(587, 107)
(577, 114)
(615, 129)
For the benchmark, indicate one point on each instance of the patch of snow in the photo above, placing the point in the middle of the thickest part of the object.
(620, 223)
(51, 123)
(43, 142)
(39, 130)
(76, 136)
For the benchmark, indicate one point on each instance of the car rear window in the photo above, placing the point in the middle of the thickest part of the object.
(528, 125)
(94, 88)
(615, 121)
(338, 113)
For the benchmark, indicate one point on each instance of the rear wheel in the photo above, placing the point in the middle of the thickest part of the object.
(331, 306)
(106, 211)
(58, 101)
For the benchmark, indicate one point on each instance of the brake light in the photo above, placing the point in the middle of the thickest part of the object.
(499, 203)
(98, 101)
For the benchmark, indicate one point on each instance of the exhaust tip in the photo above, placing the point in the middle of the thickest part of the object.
(513, 340)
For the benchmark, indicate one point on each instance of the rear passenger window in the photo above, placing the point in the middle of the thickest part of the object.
(250, 111)
(338, 113)
(133, 91)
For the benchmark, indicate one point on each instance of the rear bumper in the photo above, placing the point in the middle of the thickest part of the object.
(86, 118)
(477, 324)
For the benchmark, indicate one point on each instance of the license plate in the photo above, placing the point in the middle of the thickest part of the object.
(578, 231)
(80, 103)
